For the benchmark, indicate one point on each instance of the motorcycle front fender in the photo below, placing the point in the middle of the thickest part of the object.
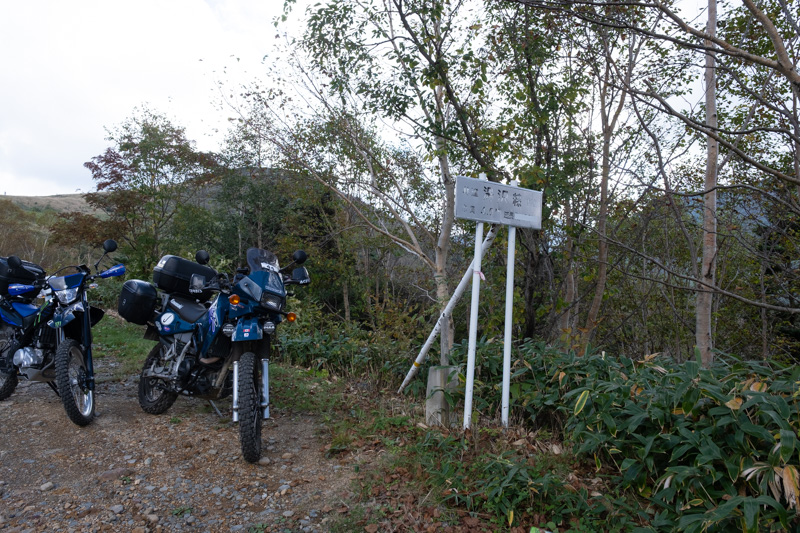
(65, 315)
(247, 329)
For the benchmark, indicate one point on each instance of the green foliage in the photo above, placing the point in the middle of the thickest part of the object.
(710, 449)
(303, 390)
(318, 340)
(151, 169)
(106, 294)
(514, 487)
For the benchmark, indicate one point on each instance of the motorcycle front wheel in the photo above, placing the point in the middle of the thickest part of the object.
(73, 389)
(153, 398)
(249, 408)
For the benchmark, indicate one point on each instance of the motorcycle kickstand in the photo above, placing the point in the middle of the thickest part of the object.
(219, 413)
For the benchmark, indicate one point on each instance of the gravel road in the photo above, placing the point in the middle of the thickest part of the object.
(180, 471)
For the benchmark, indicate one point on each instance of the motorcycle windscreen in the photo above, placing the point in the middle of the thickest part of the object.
(66, 282)
(259, 259)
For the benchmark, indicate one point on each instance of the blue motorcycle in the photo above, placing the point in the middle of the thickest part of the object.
(212, 350)
(51, 343)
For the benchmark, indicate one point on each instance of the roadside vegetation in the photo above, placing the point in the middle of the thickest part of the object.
(603, 443)
(597, 443)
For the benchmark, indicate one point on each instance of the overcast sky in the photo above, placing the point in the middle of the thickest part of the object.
(72, 69)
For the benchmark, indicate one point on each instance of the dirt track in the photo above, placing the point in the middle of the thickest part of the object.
(180, 471)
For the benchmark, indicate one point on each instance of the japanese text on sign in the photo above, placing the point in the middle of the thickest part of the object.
(486, 201)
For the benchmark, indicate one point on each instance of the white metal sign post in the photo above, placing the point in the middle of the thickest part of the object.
(484, 201)
(473, 325)
(512, 237)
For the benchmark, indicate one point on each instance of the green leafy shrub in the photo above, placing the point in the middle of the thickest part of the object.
(694, 449)
(515, 487)
(708, 449)
(321, 342)
(106, 294)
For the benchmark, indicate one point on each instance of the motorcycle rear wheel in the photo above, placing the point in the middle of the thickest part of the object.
(8, 384)
(78, 400)
(152, 399)
(249, 408)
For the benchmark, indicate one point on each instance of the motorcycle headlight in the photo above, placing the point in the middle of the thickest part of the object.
(67, 296)
(270, 301)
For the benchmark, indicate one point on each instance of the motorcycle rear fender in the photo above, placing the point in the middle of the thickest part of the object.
(247, 329)
(151, 333)
(11, 318)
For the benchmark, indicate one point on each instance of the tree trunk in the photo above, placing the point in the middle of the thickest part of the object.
(346, 300)
(440, 260)
(764, 318)
(703, 336)
(565, 320)
(442, 248)
(602, 245)
(609, 122)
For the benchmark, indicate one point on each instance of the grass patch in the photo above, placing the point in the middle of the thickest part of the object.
(182, 511)
(304, 390)
(114, 338)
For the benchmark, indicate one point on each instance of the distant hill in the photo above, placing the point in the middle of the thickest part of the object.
(60, 203)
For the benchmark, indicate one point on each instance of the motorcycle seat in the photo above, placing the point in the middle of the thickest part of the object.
(188, 310)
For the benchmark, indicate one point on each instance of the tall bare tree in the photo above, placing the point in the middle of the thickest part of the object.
(707, 281)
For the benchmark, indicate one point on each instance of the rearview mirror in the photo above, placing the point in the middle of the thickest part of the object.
(14, 262)
(299, 257)
(202, 257)
(109, 245)
(196, 283)
(300, 276)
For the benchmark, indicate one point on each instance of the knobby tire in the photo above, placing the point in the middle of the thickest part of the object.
(70, 373)
(250, 407)
(152, 399)
(8, 384)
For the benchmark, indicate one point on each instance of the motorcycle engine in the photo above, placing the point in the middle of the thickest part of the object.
(192, 377)
(27, 356)
(202, 383)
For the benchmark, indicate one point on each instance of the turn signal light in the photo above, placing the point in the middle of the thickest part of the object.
(291, 317)
(234, 299)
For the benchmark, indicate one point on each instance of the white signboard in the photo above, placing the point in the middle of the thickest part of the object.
(486, 201)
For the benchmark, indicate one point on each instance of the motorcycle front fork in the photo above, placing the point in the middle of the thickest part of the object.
(264, 389)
